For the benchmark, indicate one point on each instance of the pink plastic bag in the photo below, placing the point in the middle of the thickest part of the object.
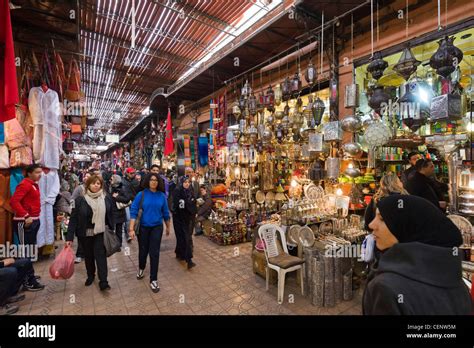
(63, 265)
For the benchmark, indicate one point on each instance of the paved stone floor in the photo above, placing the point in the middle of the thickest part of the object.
(222, 284)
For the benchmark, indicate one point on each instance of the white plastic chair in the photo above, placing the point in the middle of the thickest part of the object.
(282, 262)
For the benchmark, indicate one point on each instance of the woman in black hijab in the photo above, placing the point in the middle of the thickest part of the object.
(419, 270)
(184, 211)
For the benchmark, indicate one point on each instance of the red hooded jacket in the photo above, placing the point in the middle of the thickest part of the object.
(26, 202)
(8, 83)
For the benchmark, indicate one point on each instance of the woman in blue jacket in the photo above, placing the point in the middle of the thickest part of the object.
(155, 211)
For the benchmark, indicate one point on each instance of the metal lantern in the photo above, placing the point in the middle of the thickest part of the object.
(236, 110)
(351, 123)
(377, 98)
(286, 89)
(242, 103)
(310, 74)
(278, 95)
(253, 132)
(318, 110)
(407, 64)
(352, 171)
(377, 134)
(252, 103)
(447, 57)
(411, 111)
(352, 149)
(286, 110)
(246, 90)
(295, 85)
(270, 99)
(377, 65)
(299, 103)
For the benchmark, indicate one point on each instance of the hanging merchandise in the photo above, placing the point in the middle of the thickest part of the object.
(278, 94)
(295, 85)
(18, 144)
(332, 131)
(351, 92)
(270, 99)
(286, 89)
(8, 81)
(252, 104)
(410, 112)
(311, 73)
(46, 115)
(377, 134)
(203, 151)
(351, 123)
(378, 98)
(73, 91)
(318, 108)
(236, 109)
(246, 90)
(4, 157)
(447, 57)
(407, 64)
(377, 65)
(49, 189)
(352, 149)
(2, 133)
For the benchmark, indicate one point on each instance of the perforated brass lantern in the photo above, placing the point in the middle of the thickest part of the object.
(236, 110)
(318, 110)
(252, 103)
(286, 89)
(278, 95)
(407, 64)
(242, 103)
(310, 74)
(377, 65)
(261, 103)
(447, 57)
(246, 90)
(270, 99)
(295, 85)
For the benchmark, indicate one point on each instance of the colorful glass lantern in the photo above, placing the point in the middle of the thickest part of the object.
(295, 85)
(310, 74)
(407, 64)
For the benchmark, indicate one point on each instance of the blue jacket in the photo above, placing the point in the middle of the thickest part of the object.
(155, 208)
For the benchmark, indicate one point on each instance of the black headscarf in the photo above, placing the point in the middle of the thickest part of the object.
(187, 193)
(414, 219)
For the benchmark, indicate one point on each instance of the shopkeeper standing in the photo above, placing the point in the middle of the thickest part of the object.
(26, 205)
(421, 184)
(413, 157)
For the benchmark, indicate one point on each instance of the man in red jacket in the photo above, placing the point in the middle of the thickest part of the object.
(26, 205)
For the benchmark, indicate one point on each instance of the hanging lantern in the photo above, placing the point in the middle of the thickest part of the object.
(286, 89)
(286, 110)
(299, 103)
(377, 65)
(236, 110)
(318, 111)
(242, 103)
(351, 123)
(246, 90)
(377, 134)
(253, 133)
(278, 94)
(407, 64)
(310, 75)
(410, 108)
(270, 99)
(252, 103)
(447, 57)
(295, 85)
(352, 149)
(377, 98)
(261, 103)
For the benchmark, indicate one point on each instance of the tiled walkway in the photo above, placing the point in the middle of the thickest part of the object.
(222, 283)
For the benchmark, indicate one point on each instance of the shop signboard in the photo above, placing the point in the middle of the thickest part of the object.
(112, 138)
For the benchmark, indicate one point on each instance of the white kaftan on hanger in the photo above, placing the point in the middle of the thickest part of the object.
(49, 189)
(46, 115)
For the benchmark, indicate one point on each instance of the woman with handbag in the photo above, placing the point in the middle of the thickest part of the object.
(121, 202)
(90, 218)
(147, 213)
(184, 212)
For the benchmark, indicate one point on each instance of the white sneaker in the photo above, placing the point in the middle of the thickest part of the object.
(78, 260)
(154, 286)
(140, 274)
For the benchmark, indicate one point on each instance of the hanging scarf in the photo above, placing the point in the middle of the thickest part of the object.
(97, 203)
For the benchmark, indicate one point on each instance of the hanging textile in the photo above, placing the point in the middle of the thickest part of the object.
(49, 189)
(2, 133)
(16, 176)
(46, 115)
(187, 150)
(4, 157)
(18, 143)
(8, 82)
(169, 144)
(192, 150)
(203, 151)
(6, 213)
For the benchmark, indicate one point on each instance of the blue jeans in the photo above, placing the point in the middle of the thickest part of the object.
(149, 242)
(127, 224)
(13, 277)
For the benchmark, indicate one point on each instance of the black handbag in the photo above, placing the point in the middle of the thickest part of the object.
(139, 215)
(111, 242)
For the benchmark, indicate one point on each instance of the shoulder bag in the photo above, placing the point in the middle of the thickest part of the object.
(111, 242)
(139, 215)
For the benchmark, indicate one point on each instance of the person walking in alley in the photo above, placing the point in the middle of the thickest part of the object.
(120, 202)
(79, 192)
(152, 201)
(130, 188)
(184, 212)
(91, 215)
